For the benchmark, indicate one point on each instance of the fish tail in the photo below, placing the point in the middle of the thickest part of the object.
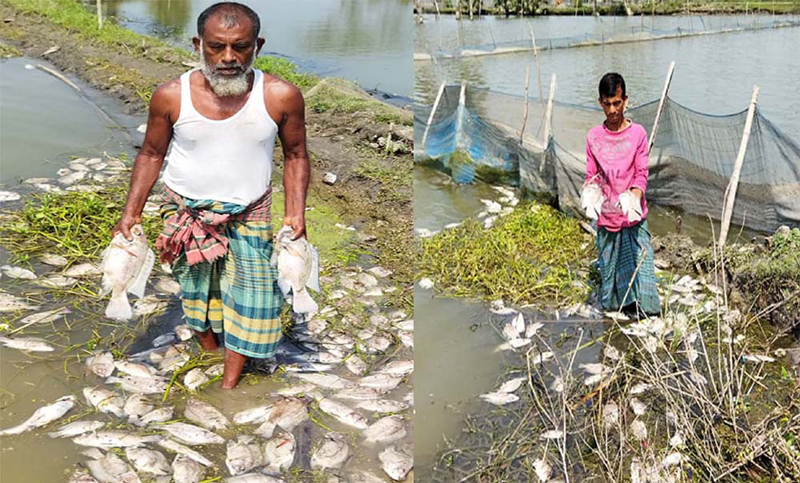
(15, 430)
(119, 308)
(302, 303)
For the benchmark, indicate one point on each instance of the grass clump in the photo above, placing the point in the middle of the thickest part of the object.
(533, 255)
(76, 225)
(9, 51)
(341, 97)
(395, 178)
(286, 70)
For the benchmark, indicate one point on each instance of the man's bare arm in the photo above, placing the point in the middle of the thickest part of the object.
(292, 131)
(151, 155)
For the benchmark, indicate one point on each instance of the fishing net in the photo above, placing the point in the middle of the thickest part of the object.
(690, 163)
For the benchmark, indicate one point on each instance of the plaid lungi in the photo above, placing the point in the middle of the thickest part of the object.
(619, 255)
(235, 294)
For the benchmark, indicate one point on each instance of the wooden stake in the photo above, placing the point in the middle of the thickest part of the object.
(100, 13)
(661, 106)
(549, 115)
(525, 109)
(538, 64)
(433, 112)
(730, 192)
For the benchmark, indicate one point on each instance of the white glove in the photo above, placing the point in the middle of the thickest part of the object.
(592, 200)
(631, 206)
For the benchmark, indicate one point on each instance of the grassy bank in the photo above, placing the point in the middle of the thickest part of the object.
(533, 255)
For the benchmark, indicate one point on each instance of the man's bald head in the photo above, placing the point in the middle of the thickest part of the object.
(231, 14)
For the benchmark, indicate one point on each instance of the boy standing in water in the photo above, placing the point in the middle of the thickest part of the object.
(616, 166)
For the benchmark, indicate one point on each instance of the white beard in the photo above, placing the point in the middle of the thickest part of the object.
(224, 85)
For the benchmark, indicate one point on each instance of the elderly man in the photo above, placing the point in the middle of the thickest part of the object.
(616, 168)
(219, 123)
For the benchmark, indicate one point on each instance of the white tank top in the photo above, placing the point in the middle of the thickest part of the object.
(229, 160)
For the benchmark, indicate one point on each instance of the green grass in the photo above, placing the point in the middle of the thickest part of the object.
(75, 225)
(331, 97)
(286, 70)
(8, 51)
(395, 178)
(533, 255)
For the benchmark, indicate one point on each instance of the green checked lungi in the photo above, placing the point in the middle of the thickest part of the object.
(227, 283)
(619, 255)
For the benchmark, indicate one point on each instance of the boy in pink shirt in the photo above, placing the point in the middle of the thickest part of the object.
(616, 167)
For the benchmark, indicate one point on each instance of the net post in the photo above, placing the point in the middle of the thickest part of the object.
(548, 115)
(99, 14)
(525, 109)
(538, 64)
(661, 106)
(433, 113)
(730, 192)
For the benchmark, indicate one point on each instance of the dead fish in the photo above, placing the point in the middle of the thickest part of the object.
(361, 393)
(12, 303)
(149, 305)
(148, 461)
(328, 381)
(104, 400)
(76, 428)
(92, 453)
(218, 369)
(9, 196)
(143, 385)
(57, 281)
(380, 381)
(552, 434)
(385, 430)
(135, 369)
(639, 430)
(17, 272)
(512, 384)
(543, 469)
(44, 415)
(137, 405)
(499, 398)
(288, 413)
(356, 365)
(363, 477)
(542, 357)
(298, 269)
(32, 344)
(295, 390)
(114, 439)
(81, 477)
(279, 452)
(243, 455)
(194, 379)
(126, 267)
(307, 367)
(205, 415)
(184, 332)
(168, 286)
(44, 317)
(638, 407)
(174, 358)
(343, 413)
(254, 415)
(253, 478)
(610, 414)
(191, 435)
(112, 469)
(383, 406)
(596, 368)
(183, 450)
(757, 358)
(332, 454)
(159, 415)
(164, 339)
(82, 270)
(398, 368)
(395, 463)
(101, 364)
(186, 470)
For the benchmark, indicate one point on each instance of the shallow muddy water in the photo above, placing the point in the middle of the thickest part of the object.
(367, 41)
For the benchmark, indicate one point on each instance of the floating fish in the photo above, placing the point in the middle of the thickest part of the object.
(148, 461)
(279, 453)
(159, 415)
(757, 358)
(332, 454)
(194, 379)
(76, 428)
(610, 414)
(114, 439)
(82, 270)
(12, 303)
(638, 407)
(343, 413)
(183, 450)
(243, 455)
(298, 269)
(205, 415)
(383, 406)
(112, 469)
(639, 430)
(385, 430)
(552, 434)
(17, 272)
(186, 470)
(135, 369)
(137, 405)
(144, 385)
(542, 469)
(499, 398)
(32, 344)
(512, 384)
(43, 416)
(425, 283)
(9, 196)
(396, 464)
(126, 267)
(191, 435)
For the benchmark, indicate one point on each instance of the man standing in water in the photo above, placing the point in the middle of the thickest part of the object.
(616, 162)
(219, 123)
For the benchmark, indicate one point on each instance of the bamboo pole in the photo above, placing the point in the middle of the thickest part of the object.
(525, 109)
(730, 192)
(462, 102)
(100, 13)
(538, 64)
(433, 112)
(661, 106)
(548, 116)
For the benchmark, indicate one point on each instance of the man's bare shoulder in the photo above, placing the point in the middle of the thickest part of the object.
(167, 92)
(281, 91)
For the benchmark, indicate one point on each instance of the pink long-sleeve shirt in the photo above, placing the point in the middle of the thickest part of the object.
(617, 161)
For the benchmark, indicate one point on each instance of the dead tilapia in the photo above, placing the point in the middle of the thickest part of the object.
(243, 455)
(159, 415)
(279, 452)
(112, 469)
(76, 428)
(114, 439)
(101, 364)
(148, 461)
(395, 463)
(31, 344)
(44, 415)
(298, 269)
(385, 430)
(126, 267)
(186, 470)
(143, 385)
(343, 413)
(205, 415)
(192, 435)
(332, 454)
(104, 400)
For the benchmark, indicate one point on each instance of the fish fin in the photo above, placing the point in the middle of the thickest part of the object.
(302, 303)
(138, 285)
(284, 285)
(119, 308)
(313, 276)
